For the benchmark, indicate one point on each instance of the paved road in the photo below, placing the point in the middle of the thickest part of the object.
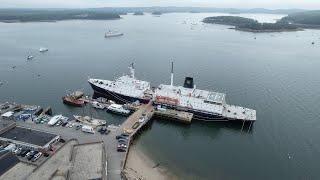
(114, 158)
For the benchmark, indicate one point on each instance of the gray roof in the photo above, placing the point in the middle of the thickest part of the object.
(29, 136)
(7, 161)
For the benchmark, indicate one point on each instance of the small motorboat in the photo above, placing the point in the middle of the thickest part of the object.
(43, 49)
(30, 57)
(97, 105)
(112, 34)
(118, 109)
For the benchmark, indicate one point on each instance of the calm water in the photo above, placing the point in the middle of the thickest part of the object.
(277, 74)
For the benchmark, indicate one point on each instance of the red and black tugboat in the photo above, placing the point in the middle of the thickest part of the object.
(73, 99)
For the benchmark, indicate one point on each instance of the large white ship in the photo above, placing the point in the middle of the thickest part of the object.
(123, 89)
(110, 33)
(205, 105)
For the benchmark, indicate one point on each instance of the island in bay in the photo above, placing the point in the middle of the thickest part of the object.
(30, 15)
(292, 22)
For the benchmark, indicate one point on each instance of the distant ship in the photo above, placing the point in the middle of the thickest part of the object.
(43, 49)
(125, 89)
(112, 34)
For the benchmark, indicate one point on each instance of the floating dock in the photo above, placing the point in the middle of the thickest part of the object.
(179, 116)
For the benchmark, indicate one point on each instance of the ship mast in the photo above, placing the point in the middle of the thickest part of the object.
(171, 74)
(132, 70)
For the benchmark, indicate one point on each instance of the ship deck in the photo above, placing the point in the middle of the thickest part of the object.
(232, 112)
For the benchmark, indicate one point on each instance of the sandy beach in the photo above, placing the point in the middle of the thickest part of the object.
(140, 166)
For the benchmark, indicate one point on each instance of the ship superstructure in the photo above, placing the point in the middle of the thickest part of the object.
(123, 89)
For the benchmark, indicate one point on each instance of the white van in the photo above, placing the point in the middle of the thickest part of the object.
(10, 147)
(87, 129)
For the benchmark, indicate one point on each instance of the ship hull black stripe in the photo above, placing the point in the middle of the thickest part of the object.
(115, 96)
(197, 115)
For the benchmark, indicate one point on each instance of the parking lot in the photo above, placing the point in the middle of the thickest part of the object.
(60, 161)
(71, 129)
(114, 158)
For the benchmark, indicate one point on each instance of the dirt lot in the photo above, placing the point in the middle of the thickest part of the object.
(60, 161)
(87, 161)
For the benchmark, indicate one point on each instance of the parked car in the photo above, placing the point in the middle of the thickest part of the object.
(79, 126)
(36, 156)
(46, 154)
(24, 153)
(17, 151)
(125, 134)
(58, 123)
(121, 149)
(122, 145)
(104, 130)
(122, 141)
(70, 125)
(29, 154)
(32, 155)
(64, 124)
(141, 119)
(21, 152)
(122, 137)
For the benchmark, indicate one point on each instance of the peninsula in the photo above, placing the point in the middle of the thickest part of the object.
(292, 22)
(138, 13)
(251, 25)
(26, 15)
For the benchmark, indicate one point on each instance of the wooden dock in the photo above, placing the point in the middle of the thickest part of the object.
(145, 111)
(178, 116)
(132, 124)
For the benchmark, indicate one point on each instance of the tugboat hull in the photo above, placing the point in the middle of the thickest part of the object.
(73, 102)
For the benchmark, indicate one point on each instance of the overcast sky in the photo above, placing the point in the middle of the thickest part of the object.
(271, 4)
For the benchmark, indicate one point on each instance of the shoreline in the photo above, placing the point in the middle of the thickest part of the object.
(266, 31)
(141, 166)
(51, 21)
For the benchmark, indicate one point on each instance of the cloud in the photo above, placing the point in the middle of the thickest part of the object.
(308, 4)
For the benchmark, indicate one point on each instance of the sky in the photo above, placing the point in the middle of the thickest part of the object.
(270, 4)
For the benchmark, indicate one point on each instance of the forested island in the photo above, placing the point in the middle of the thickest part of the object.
(292, 22)
(251, 25)
(156, 13)
(138, 13)
(308, 19)
(53, 15)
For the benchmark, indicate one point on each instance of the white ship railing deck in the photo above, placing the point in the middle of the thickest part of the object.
(239, 113)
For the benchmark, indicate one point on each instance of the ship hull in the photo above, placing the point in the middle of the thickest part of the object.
(197, 115)
(119, 98)
(76, 103)
(112, 35)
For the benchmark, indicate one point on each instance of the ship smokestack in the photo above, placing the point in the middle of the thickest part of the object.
(171, 74)
(188, 83)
